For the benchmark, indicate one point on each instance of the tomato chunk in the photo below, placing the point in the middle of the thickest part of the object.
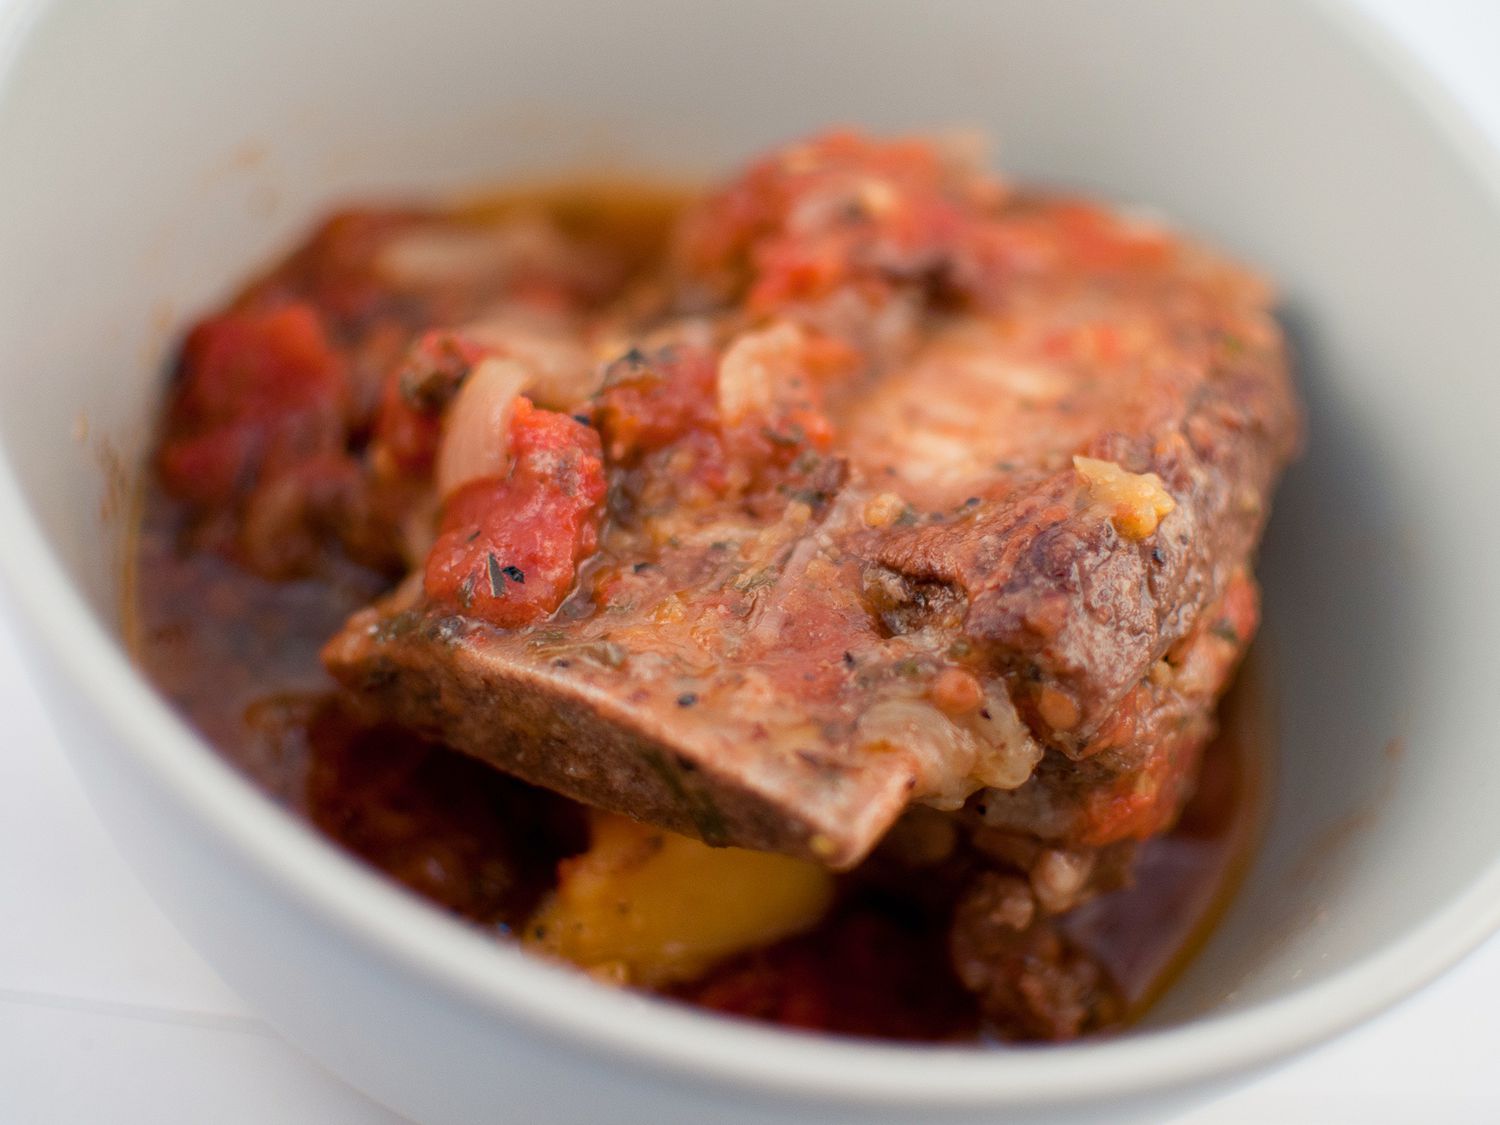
(260, 389)
(839, 209)
(709, 424)
(509, 547)
(651, 401)
(408, 424)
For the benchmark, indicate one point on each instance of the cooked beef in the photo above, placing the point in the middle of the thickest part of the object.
(1134, 773)
(1032, 982)
(866, 509)
(906, 488)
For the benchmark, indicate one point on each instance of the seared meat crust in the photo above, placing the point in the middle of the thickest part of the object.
(918, 490)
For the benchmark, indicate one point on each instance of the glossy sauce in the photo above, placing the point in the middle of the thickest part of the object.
(238, 655)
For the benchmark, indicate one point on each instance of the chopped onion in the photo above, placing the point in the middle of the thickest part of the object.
(952, 758)
(753, 366)
(563, 373)
(475, 443)
(1007, 751)
(942, 754)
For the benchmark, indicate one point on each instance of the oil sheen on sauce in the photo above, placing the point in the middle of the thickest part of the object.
(239, 657)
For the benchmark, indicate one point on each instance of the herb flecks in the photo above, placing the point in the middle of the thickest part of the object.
(789, 438)
(607, 653)
(753, 580)
(1226, 632)
(814, 497)
(496, 574)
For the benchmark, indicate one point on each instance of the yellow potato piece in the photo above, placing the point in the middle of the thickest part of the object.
(648, 907)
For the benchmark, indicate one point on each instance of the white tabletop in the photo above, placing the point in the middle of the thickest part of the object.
(106, 1015)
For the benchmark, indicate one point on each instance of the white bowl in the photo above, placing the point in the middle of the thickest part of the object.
(157, 150)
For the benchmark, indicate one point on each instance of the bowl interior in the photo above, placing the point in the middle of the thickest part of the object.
(160, 150)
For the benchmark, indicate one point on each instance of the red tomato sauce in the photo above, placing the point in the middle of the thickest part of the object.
(231, 607)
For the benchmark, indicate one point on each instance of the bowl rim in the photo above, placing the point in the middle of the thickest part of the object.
(673, 1041)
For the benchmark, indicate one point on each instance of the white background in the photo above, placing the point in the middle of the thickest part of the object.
(107, 1016)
